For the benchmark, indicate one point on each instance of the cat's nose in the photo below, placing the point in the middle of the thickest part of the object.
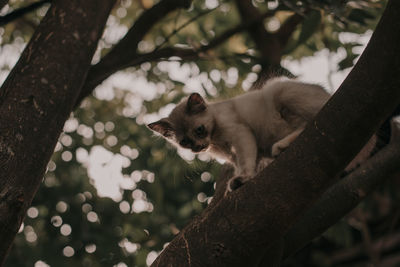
(198, 148)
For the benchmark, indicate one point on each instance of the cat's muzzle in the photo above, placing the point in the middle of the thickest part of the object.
(199, 148)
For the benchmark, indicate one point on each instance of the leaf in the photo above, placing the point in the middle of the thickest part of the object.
(360, 16)
(309, 26)
(347, 62)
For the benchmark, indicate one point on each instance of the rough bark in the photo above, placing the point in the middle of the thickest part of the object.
(239, 227)
(37, 98)
(345, 195)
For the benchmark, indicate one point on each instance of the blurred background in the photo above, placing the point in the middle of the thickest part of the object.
(114, 194)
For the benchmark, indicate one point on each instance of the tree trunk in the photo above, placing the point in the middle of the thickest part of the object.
(18, 13)
(235, 231)
(37, 98)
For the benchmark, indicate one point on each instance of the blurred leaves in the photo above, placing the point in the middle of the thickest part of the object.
(308, 28)
(348, 61)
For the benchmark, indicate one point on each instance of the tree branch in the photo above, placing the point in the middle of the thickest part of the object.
(99, 74)
(258, 214)
(37, 98)
(126, 50)
(266, 42)
(191, 53)
(288, 27)
(270, 45)
(175, 31)
(345, 195)
(21, 12)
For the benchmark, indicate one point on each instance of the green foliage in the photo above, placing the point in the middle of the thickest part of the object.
(155, 191)
(308, 28)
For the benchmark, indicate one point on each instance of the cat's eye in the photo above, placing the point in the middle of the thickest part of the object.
(185, 142)
(200, 131)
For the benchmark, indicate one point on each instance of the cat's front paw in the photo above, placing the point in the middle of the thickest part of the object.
(235, 182)
(263, 163)
(277, 149)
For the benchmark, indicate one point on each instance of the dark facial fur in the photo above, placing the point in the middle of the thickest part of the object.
(189, 125)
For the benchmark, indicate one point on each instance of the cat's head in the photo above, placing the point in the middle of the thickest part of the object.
(189, 125)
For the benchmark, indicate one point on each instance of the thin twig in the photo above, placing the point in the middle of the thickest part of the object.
(359, 221)
(176, 30)
(21, 12)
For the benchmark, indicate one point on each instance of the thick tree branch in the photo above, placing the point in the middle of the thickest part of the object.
(36, 99)
(258, 214)
(345, 195)
(21, 12)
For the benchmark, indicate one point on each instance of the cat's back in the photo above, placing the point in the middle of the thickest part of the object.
(284, 89)
(262, 102)
(277, 88)
(257, 107)
(262, 109)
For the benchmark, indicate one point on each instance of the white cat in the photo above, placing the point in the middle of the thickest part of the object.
(248, 130)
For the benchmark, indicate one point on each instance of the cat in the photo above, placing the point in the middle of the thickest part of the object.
(249, 130)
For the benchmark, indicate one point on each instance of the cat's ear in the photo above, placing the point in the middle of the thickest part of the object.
(163, 127)
(195, 104)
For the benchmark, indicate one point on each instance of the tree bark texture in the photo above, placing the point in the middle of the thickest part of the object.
(251, 219)
(37, 98)
(345, 195)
